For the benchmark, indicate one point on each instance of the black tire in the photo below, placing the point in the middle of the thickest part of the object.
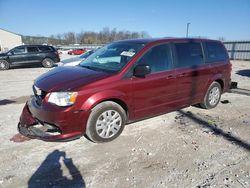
(208, 103)
(48, 63)
(96, 115)
(4, 65)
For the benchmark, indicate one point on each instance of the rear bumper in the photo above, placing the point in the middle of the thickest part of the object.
(48, 125)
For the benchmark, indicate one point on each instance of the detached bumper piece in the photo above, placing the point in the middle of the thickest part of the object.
(33, 128)
(43, 132)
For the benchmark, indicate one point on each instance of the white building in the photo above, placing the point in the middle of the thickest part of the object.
(9, 40)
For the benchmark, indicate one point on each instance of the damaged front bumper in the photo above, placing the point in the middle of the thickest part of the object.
(32, 127)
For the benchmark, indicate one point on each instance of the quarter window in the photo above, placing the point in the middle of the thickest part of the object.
(188, 54)
(215, 52)
(44, 48)
(158, 58)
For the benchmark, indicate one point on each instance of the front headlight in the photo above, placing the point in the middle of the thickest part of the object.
(62, 98)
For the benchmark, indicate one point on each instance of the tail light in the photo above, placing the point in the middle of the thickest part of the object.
(56, 52)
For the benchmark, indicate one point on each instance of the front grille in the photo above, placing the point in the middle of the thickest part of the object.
(39, 94)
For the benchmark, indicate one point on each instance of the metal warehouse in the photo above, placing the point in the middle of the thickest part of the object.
(9, 40)
(238, 49)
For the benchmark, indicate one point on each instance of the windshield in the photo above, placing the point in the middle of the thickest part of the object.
(87, 54)
(112, 57)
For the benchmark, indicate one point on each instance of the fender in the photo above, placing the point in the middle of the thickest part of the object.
(102, 96)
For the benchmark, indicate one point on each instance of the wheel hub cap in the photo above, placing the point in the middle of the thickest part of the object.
(108, 124)
(47, 63)
(2, 65)
(214, 96)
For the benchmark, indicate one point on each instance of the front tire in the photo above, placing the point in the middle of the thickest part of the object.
(4, 65)
(106, 122)
(212, 97)
(48, 63)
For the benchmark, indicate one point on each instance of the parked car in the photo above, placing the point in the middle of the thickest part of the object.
(75, 60)
(123, 82)
(77, 51)
(47, 56)
(64, 50)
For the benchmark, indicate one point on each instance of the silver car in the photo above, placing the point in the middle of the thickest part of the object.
(75, 60)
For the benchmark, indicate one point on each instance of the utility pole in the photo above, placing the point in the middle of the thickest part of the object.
(187, 29)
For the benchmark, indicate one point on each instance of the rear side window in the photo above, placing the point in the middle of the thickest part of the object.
(215, 52)
(32, 49)
(45, 48)
(188, 54)
(158, 58)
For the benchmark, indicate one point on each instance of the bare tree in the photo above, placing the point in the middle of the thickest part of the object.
(69, 37)
(106, 35)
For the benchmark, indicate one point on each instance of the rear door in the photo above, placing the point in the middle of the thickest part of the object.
(156, 93)
(33, 54)
(192, 73)
(47, 51)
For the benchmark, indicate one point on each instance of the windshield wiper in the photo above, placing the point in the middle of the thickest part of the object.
(98, 69)
(86, 66)
(91, 68)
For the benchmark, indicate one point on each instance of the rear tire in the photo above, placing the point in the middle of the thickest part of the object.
(106, 122)
(212, 97)
(48, 63)
(4, 65)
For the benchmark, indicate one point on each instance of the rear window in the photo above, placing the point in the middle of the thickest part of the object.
(45, 48)
(188, 54)
(215, 52)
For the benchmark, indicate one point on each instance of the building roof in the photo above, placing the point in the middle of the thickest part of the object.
(10, 32)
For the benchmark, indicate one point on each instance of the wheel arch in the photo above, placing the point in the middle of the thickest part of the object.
(120, 102)
(221, 82)
(114, 96)
(216, 78)
(47, 57)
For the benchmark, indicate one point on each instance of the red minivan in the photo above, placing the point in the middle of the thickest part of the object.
(123, 82)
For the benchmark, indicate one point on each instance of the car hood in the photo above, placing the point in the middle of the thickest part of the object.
(2, 54)
(71, 60)
(68, 78)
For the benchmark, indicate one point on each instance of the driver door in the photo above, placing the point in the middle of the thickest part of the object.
(18, 55)
(156, 92)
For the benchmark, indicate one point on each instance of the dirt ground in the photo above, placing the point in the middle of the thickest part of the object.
(192, 147)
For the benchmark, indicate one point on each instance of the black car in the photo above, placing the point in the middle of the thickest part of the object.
(29, 54)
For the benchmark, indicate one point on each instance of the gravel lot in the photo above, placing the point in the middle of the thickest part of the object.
(189, 148)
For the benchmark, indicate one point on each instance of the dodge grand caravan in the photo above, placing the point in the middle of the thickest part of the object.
(122, 82)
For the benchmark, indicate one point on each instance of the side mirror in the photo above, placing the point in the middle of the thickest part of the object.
(142, 70)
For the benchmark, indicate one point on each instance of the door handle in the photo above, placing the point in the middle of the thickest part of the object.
(170, 77)
(181, 75)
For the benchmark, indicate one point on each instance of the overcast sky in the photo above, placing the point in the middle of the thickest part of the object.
(211, 18)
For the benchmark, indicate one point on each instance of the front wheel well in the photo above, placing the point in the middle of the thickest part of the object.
(118, 101)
